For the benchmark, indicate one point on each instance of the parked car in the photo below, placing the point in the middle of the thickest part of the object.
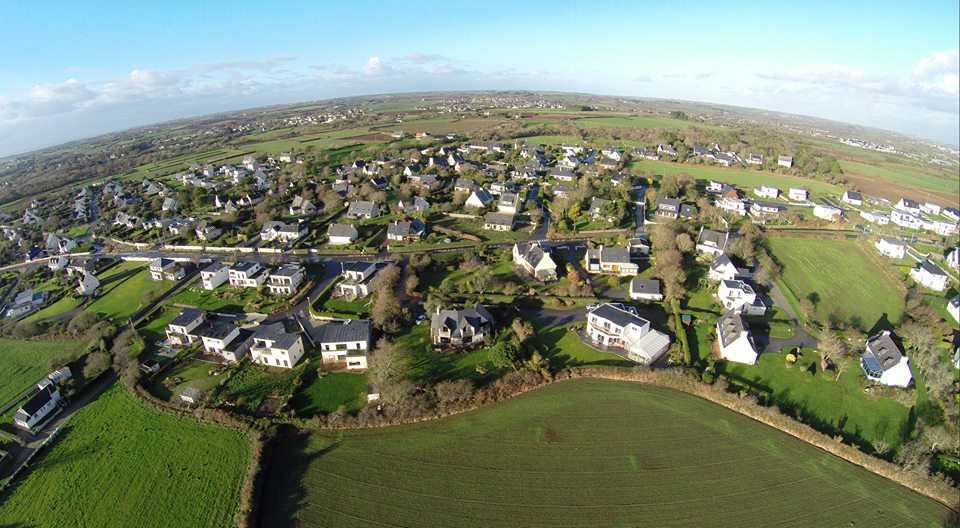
(420, 318)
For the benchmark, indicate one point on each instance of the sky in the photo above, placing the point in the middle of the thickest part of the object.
(70, 70)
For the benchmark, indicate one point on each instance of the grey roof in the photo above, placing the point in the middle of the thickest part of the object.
(414, 227)
(498, 219)
(665, 202)
(882, 348)
(619, 317)
(907, 202)
(854, 195)
(466, 183)
(955, 302)
(561, 171)
(716, 238)
(730, 326)
(614, 254)
(931, 268)
(532, 252)
(892, 241)
(288, 270)
(357, 266)
(651, 286)
(597, 203)
(720, 262)
(269, 331)
(38, 400)
(361, 207)
(357, 330)
(343, 230)
(243, 266)
(458, 320)
(216, 330)
(186, 316)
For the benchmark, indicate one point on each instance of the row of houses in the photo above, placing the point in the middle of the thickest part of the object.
(283, 280)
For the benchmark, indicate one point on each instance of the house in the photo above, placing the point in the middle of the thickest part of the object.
(612, 325)
(646, 153)
(712, 242)
(668, 207)
(611, 261)
(411, 231)
(170, 204)
(732, 205)
(827, 212)
(412, 170)
(563, 174)
(953, 258)
(638, 247)
(760, 209)
(953, 308)
(88, 284)
(905, 219)
(282, 231)
(125, 220)
(498, 188)
(930, 276)
(598, 209)
(286, 279)
(852, 198)
(535, 260)
(414, 206)
(57, 263)
(207, 231)
(274, 347)
(356, 278)
(940, 227)
(287, 157)
(38, 407)
(345, 344)
(798, 195)
(182, 330)
(302, 206)
(883, 361)
(379, 183)
(560, 190)
(461, 328)
(645, 290)
(191, 395)
(363, 209)
(908, 205)
(765, 191)
(465, 185)
(166, 269)
(226, 340)
(177, 226)
(722, 268)
(569, 162)
(26, 302)
(425, 181)
(740, 297)
(607, 163)
(667, 149)
(952, 213)
(509, 203)
(498, 221)
(734, 339)
(342, 234)
(479, 199)
(875, 218)
(755, 159)
(785, 161)
(214, 275)
(891, 247)
(930, 208)
(247, 275)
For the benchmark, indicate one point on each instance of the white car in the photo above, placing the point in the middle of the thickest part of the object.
(420, 318)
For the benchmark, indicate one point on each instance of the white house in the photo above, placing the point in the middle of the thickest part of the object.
(765, 191)
(905, 219)
(247, 275)
(930, 208)
(953, 258)
(498, 221)
(535, 260)
(732, 205)
(458, 328)
(226, 340)
(88, 284)
(883, 361)
(509, 203)
(214, 275)
(712, 242)
(952, 213)
(165, 269)
(342, 234)
(612, 325)
(612, 261)
(734, 339)
(722, 268)
(908, 205)
(182, 330)
(38, 407)
(274, 347)
(953, 308)
(827, 212)
(930, 276)
(875, 218)
(645, 290)
(785, 161)
(852, 198)
(275, 230)
(891, 247)
(26, 302)
(356, 278)
(740, 297)
(798, 195)
(479, 199)
(286, 279)
(347, 343)
(363, 209)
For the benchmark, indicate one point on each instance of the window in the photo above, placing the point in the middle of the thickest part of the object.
(285, 363)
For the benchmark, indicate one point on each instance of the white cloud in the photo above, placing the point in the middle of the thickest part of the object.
(938, 62)
(375, 67)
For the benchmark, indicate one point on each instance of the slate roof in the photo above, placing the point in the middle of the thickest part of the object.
(505, 219)
(618, 317)
(188, 315)
(357, 330)
(882, 349)
(730, 326)
(341, 230)
(458, 320)
(931, 268)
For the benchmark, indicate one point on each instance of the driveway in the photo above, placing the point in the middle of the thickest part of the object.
(551, 317)
(801, 337)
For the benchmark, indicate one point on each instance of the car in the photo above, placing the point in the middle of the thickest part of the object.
(420, 318)
(592, 307)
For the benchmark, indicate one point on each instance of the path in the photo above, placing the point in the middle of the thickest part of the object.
(801, 338)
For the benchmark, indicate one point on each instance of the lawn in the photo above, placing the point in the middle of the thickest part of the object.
(431, 365)
(23, 362)
(847, 282)
(832, 405)
(222, 299)
(156, 330)
(913, 176)
(579, 453)
(254, 384)
(120, 463)
(193, 373)
(565, 349)
(651, 121)
(327, 394)
(733, 176)
(124, 289)
(64, 304)
(356, 306)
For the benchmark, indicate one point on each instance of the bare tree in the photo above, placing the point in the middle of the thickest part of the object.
(832, 351)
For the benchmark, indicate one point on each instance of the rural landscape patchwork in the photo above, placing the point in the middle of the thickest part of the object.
(455, 306)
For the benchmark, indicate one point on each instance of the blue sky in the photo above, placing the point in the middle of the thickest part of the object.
(72, 70)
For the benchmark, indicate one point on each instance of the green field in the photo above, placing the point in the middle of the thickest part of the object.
(123, 290)
(327, 394)
(64, 304)
(580, 453)
(24, 362)
(636, 121)
(924, 178)
(733, 176)
(120, 463)
(838, 271)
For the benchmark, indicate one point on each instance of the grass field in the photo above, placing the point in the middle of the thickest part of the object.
(64, 304)
(580, 453)
(636, 121)
(837, 406)
(119, 463)
(24, 362)
(918, 177)
(330, 392)
(733, 176)
(123, 289)
(839, 272)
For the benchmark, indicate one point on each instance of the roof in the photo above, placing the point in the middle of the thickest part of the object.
(617, 316)
(457, 320)
(666, 201)
(215, 330)
(883, 350)
(341, 230)
(288, 270)
(361, 207)
(243, 266)
(356, 330)
(498, 219)
(413, 227)
(188, 315)
(931, 268)
(854, 195)
(731, 326)
(38, 400)
(532, 252)
(720, 262)
(716, 238)
(892, 241)
(614, 254)
(650, 287)
(215, 267)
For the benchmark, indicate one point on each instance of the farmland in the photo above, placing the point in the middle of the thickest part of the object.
(737, 177)
(650, 121)
(23, 362)
(119, 463)
(580, 453)
(842, 279)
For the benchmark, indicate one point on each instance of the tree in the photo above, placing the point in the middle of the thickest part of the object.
(96, 363)
(685, 243)
(452, 391)
(503, 355)
(832, 351)
(669, 186)
(388, 363)
(386, 310)
(411, 283)
(81, 322)
(482, 278)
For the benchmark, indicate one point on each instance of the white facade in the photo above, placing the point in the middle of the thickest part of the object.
(826, 212)
(734, 340)
(765, 191)
(798, 195)
(930, 276)
(214, 276)
(891, 247)
(875, 218)
(609, 325)
(852, 198)
(276, 352)
(733, 205)
(905, 219)
(740, 297)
